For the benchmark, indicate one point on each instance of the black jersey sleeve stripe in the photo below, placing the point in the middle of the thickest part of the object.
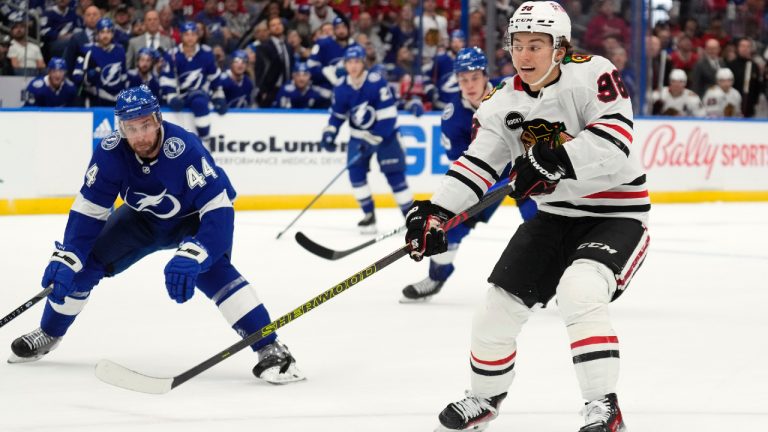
(603, 209)
(636, 182)
(610, 138)
(467, 182)
(483, 166)
(620, 118)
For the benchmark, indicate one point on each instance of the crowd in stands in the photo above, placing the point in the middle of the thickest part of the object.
(286, 53)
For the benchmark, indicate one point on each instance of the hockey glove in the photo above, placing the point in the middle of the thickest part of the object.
(176, 104)
(220, 105)
(64, 263)
(182, 270)
(537, 171)
(415, 107)
(327, 141)
(425, 233)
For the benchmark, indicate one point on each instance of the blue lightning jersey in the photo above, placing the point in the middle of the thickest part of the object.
(195, 74)
(327, 55)
(182, 181)
(237, 94)
(444, 78)
(41, 94)
(135, 79)
(370, 108)
(456, 124)
(311, 96)
(103, 69)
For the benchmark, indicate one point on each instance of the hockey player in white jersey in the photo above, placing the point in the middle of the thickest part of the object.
(722, 100)
(675, 99)
(566, 122)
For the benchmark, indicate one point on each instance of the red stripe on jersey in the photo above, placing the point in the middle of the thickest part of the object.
(619, 195)
(617, 128)
(635, 263)
(505, 360)
(517, 83)
(595, 340)
(487, 183)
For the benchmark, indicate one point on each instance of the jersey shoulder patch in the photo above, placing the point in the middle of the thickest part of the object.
(374, 77)
(577, 58)
(111, 141)
(38, 83)
(290, 87)
(173, 147)
(448, 111)
(495, 89)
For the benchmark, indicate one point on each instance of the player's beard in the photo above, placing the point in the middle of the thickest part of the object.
(147, 149)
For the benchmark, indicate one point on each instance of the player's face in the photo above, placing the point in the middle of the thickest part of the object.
(189, 38)
(144, 63)
(676, 87)
(56, 77)
(532, 56)
(301, 80)
(238, 67)
(341, 31)
(725, 84)
(473, 85)
(354, 67)
(143, 135)
(105, 37)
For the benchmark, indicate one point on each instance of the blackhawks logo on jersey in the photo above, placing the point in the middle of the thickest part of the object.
(542, 131)
(577, 58)
(498, 87)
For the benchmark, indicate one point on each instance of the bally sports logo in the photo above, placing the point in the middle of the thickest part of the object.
(665, 148)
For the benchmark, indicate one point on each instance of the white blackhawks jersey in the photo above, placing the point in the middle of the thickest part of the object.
(687, 104)
(588, 103)
(718, 103)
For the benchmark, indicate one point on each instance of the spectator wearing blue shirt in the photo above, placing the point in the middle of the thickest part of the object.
(53, 89)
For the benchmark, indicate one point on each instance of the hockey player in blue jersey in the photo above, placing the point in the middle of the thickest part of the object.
(100, 69)
(236, 84)
(300, 93)
(327, 55)
(442, 73)
(190, 79)
(366, 100)
(144, 72)
(52, 89)
(175, 198)
(456, 135)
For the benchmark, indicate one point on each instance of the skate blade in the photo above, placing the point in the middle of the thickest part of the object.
(14, 359)
(273, 375)
(371, 230)
(407, 300)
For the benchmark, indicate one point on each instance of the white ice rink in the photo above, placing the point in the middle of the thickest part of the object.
(693, 329)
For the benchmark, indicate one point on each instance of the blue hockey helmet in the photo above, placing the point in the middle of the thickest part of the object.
(354, 52)
(338, 20)
(148, 51)
(470, 59)
(188, 26)
(57, 63)
(458, 34)
(105, 24)
(301, 67)
(240, 55)
(136, 102)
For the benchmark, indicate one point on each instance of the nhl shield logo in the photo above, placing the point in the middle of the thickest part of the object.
(173, 147)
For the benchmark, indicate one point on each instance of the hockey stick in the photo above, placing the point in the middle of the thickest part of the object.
(23, 308)
(120, 376)
(346, 167)
(331, 254)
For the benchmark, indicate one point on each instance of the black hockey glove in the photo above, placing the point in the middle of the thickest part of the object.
(425, 234)
(537, 171)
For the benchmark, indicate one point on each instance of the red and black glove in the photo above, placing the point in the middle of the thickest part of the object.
(425, 233)
(537, 171)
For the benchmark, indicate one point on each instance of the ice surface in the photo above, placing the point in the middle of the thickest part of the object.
(692, 327)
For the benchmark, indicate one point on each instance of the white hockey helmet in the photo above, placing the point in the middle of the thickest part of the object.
(541, 17)
(724, 74)
(678, 75)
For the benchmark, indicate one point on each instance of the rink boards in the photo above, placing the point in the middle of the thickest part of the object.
(274, 160)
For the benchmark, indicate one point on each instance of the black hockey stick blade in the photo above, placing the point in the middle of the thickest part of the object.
(23, 308)
(331, 254)
(120, 376)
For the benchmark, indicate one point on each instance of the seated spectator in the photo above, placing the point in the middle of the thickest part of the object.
(237, 85)
(435, 30)
(25, 55)
(145, 71)
(6, 68)
(152, 38)
(300, 23)
(722, 100)
(675, 99)
(57, 25)
(52, 90)
(685, 56)
(619, 59)
(605, 23)
(300, 52)
(301, 94)
(168, 26)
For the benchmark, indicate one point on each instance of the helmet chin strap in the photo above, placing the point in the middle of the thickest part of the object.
(549, 71)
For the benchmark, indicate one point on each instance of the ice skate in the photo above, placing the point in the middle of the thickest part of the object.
(276, 365)
(471, 413)
(368, 224)
(32, 346)
(603, 415)
(421, 291)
